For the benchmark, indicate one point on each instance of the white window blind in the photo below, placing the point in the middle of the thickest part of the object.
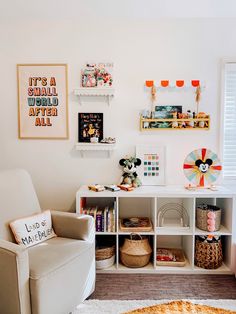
(229, 138)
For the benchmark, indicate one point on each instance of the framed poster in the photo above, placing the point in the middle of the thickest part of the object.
(90, 125)
(42, 101)
(152, 169)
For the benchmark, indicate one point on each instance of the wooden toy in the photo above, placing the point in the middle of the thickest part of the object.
(126, 187)
(96, 187)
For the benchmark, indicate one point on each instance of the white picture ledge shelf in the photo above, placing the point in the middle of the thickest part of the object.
(107, 93)
(83, 147)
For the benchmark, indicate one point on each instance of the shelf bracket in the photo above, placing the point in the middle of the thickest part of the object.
(108, 97)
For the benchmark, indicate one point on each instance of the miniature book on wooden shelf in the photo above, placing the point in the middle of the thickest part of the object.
(136, 224)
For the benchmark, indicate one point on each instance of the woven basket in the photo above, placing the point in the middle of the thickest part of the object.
(136, 251)
(104, 252)
(208, 218)
(208, 255)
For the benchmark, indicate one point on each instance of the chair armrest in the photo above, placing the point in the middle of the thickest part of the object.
(14, 276)
(75, 226)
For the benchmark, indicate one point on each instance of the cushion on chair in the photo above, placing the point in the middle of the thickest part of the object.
(32, 230)
(50, 255)
(60, 269)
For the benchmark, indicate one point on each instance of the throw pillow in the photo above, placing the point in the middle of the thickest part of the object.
(34, 229)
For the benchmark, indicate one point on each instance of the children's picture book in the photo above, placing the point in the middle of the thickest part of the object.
(104, 218)
(90, 125)
(98, 74)
(166, 112)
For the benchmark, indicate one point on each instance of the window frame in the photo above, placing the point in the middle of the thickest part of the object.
(224, 61)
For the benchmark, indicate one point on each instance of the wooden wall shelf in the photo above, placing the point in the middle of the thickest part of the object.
(149, 124)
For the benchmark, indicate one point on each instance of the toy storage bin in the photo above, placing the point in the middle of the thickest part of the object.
(105, 252)
(208, 217)
(208, 255)
(136, 251)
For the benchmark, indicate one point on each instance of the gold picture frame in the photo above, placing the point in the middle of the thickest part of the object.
(42, 101)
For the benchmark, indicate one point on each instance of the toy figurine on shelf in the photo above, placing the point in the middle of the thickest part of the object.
(190, 116)
(182, 124)
(130, 175)
(182, 115)
(202, 123)
(108, 140)
(175, 123)
(202, 115)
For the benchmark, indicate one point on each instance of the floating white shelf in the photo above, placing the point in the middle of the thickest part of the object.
(106, 92)
(83, 147)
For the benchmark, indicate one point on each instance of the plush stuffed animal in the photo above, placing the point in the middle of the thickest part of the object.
(129, 167)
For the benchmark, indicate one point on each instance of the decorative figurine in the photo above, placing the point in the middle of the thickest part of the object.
(130, 175)
(175, 123)
(190, 116)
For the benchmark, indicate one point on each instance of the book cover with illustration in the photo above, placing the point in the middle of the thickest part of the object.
(90, 125)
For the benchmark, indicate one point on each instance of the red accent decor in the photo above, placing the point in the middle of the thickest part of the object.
(180, 83)
(216, 167)
(203, 153)
(195, 83)
(186, 166)
(202, 181)
(164, 83)
(149, 83)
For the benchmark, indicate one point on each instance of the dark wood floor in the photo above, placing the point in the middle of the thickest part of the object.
(146, 286)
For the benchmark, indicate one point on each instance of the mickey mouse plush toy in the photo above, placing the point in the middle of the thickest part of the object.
(129, 168)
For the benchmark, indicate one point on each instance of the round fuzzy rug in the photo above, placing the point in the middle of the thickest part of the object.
(130, 306)
(180, 307)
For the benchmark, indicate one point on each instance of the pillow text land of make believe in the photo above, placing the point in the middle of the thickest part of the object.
(34, 229)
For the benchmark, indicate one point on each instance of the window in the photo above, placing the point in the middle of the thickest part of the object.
(229, 123)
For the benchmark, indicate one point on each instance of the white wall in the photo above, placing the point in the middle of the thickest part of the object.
(140, 49)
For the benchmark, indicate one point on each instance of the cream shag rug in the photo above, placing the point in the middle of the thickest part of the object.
(122, 307)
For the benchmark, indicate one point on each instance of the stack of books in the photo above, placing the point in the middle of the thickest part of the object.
(104, 218)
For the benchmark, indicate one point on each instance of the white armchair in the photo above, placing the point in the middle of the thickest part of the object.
(53, 276)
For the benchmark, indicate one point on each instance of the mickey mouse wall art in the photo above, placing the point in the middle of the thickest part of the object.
(202, 167)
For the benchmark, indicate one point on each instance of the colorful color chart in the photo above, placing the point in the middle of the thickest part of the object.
(151, 165)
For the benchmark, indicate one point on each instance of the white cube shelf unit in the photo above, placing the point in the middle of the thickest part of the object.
(146, 201)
